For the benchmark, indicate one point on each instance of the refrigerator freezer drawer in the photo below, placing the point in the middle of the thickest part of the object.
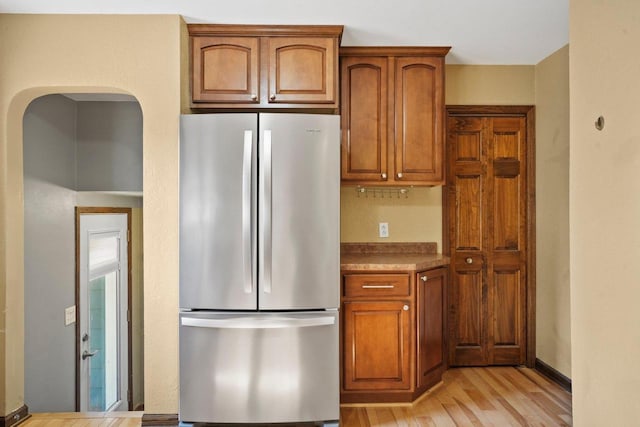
(259, 367)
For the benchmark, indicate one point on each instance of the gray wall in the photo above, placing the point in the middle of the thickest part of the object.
(49, 253)
(57, 162)
(109, 146)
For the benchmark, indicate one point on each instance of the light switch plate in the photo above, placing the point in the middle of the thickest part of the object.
(383, 229)
(70, 315)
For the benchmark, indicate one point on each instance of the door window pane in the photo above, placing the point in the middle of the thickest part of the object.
(103, 249)
(103, 338)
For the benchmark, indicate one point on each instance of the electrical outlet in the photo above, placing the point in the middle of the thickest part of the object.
(69, 315)
(383, 229)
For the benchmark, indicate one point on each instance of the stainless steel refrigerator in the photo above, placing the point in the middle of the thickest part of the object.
(259, 268)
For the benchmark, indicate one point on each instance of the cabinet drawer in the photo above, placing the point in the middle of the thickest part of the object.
(375, 285)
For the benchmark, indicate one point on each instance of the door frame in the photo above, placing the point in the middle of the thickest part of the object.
(528, 112)
(81, 210)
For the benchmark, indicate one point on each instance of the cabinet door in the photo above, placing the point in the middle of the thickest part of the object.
(377, 345)
(431, 291)
(419, 107)
(364, 118)
(225, 69)
(302, 70)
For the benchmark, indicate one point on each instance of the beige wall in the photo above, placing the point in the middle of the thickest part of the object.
(139, 55)
(419, 217)
(490, 84)
(553, 328)
(414, 218)
(137, 306)
(605, 212)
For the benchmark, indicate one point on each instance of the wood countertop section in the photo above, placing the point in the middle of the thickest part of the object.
(390, 257)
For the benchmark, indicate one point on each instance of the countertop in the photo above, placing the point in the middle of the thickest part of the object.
(390, 257)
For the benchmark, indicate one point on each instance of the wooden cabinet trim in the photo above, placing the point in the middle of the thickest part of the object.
(392, 51)
(266, 30)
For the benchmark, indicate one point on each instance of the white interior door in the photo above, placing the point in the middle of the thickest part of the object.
(103, 351)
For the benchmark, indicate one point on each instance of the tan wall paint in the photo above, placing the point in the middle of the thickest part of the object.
(490, 84)
(185, 80)
(137, 306)
(604, 212)
(139, 55)
(553, 322)
(419, 218)
(416, 218)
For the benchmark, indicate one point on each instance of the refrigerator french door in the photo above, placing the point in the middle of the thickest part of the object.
(259, 268)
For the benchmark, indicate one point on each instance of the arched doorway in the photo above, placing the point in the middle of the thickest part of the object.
(78, 150)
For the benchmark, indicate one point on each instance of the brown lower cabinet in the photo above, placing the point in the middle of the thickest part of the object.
(393, 335)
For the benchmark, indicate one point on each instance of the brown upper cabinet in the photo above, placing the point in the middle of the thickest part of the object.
(264, 67)
(392, 110)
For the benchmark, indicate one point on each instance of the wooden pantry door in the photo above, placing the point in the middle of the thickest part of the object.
(489, 221)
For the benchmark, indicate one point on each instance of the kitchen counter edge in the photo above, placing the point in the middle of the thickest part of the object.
(392, 262)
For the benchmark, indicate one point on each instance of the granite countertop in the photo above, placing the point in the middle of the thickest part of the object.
(390, 257)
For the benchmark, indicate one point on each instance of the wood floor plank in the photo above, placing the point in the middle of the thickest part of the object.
(532, 393)
(515, 398)
(559, 395)
(85, 419)
(429, 412)
(503, 413)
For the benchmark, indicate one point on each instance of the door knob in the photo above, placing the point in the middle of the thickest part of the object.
(272, 97)
(86, 354)
(254, 97)
(384, 176)
(405, 307)
(399, 174)
(469, 260)
(423, 278)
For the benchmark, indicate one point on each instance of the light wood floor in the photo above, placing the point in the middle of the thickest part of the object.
(498, 397)
(85, 419)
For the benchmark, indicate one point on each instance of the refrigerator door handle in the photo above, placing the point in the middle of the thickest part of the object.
(266, 213)
(246, 211)
(253, 322)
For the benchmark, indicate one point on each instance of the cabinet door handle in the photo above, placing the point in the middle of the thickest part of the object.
(405, 307)
(399, 174)
(378, 286)
(254, 97)
(469, 260)
(272, 97)
(423, 278)
(384, 176)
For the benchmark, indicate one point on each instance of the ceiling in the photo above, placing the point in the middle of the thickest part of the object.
(479, 31)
